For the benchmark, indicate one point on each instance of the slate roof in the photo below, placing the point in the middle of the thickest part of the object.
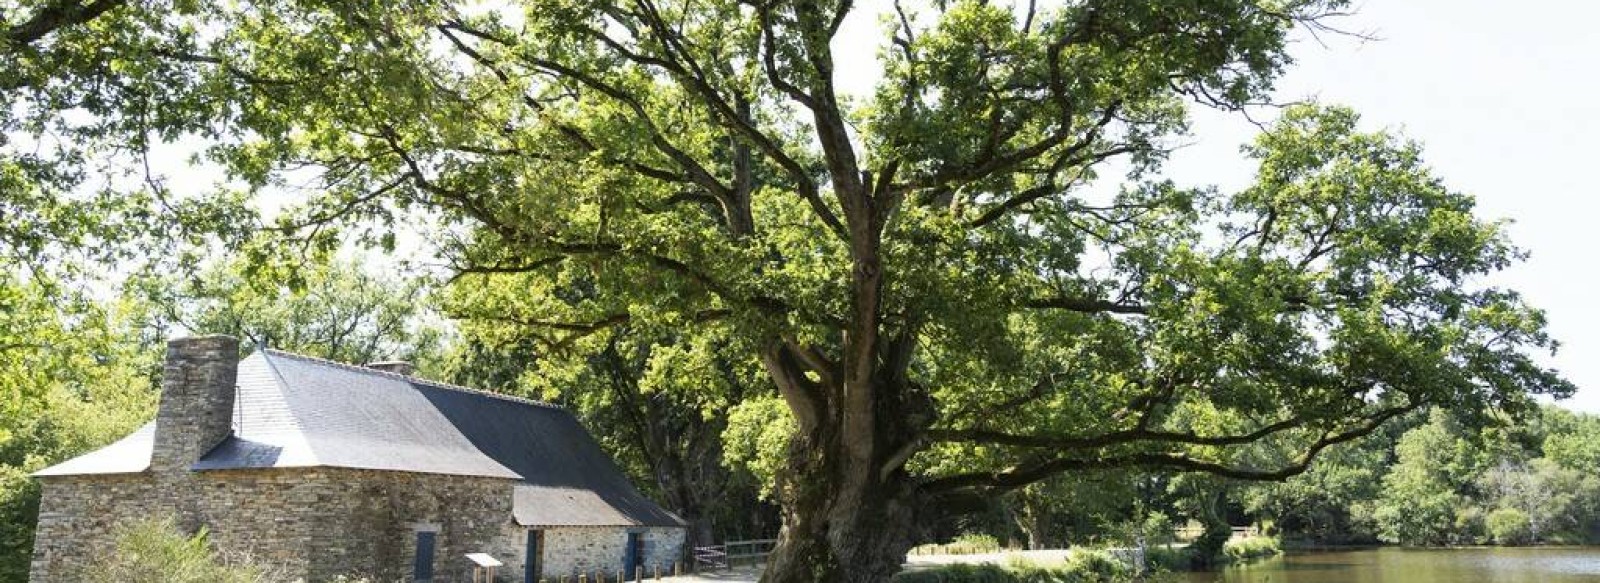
(295, 411)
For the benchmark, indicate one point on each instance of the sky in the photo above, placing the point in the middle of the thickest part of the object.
(1503, 97)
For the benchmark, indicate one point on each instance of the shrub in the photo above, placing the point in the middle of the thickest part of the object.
(1090, 565)
(1509, 526)
(965, 544)
(1246, 549)
(969, 543)
(1169, 559)
(154, 551)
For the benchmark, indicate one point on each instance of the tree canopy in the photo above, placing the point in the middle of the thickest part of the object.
(945, 307)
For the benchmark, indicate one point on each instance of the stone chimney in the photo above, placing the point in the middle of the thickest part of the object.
(198, 386)
(399, 367)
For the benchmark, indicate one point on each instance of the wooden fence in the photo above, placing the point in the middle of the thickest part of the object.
(733, 553)
(1189, 533)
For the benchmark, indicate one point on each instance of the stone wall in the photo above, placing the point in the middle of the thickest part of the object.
(313, 523)
(570, 551)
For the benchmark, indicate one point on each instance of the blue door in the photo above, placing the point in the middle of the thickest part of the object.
(532, 562)
(422, 570)
(630, 557)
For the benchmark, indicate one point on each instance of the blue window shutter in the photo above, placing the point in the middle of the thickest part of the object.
(422, 570)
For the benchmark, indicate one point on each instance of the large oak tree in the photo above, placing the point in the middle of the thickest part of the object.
(946, 310)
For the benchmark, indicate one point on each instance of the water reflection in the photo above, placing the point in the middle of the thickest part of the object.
(1391, 565)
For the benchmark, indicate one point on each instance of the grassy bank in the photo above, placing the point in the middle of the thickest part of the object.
(1082, 566)
(1095, 566)
(1234, 551)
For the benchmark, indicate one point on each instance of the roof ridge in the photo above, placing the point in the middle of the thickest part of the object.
(410, 378)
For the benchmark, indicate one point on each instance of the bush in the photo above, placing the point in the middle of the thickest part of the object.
(1233, 551)
(965, 544)
(1246, 549)
(1090, 565)
(1169, 559)
(1509, 526)
(155, 552)
(970, 543)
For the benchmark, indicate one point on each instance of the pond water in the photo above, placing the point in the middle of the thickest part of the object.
(1390, 565)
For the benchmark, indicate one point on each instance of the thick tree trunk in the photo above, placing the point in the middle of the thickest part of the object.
(838, 534)
(849, 507)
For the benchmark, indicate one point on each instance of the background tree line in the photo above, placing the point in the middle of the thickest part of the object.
(1429, 480)
(1447, 482)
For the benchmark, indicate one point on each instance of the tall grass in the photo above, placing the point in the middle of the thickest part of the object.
(1082, 566)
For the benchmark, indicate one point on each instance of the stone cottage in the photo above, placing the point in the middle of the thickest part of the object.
(325, 469)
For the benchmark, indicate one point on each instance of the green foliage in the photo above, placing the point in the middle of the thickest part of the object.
(1446, 482)
(1572, 441)
(757, 439)
(975, 542)
(76, 375)
(19, 512)
(1162, 559)
(341, 310)
(967, 543)
(1509, 526)
(154, 550)
(88, 103)
(659, 400)
(1249, 549)
(1421, 494)
(1329, 502)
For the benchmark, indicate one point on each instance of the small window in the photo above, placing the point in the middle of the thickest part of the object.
(422, 570)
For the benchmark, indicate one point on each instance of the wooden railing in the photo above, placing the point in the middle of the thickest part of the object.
(1189, 533)
(734, 552)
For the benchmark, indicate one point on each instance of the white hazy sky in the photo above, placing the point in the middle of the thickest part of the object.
(1503, 98)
